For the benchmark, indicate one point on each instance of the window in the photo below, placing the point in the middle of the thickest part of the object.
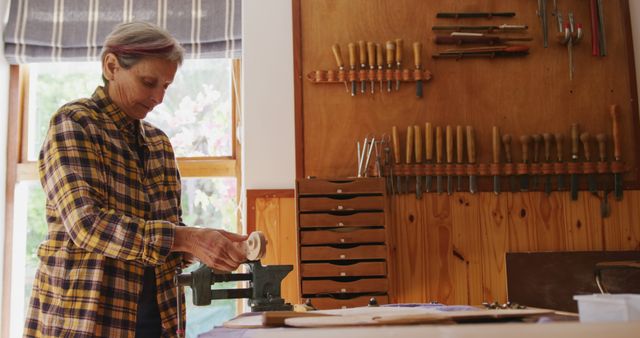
(198, 114)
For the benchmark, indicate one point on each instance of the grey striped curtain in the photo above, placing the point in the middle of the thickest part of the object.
(73, 30)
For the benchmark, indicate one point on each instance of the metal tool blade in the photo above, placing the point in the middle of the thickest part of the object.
(439, 184)
(617, 185)
(449, 185)
(496, 185)
(473, 187)
(428, 183)
(524, 183)
(547, 185)
(574, 187)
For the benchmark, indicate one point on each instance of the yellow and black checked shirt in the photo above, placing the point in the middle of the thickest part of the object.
(107, 220)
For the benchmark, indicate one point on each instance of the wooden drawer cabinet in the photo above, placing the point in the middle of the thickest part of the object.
(343, 241)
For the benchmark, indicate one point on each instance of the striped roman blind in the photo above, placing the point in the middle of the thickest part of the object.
(73, 30)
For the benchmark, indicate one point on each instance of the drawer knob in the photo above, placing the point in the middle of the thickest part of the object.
(343, 256)
(340, 224)
(339, 191)
(341, 240)
(343, 274)
(340, 207)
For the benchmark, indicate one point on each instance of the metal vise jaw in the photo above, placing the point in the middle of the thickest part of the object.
(264, 291)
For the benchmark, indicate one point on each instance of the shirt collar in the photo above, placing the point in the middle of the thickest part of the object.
(122, 121)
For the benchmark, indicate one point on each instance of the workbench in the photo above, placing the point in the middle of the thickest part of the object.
(522, 330)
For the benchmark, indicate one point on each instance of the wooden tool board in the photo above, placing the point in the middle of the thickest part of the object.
(524, 95)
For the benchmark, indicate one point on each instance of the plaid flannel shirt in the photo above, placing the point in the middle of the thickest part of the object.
(107, 220)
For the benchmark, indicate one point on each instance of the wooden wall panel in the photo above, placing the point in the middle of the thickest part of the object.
(521, 95)
(276, 217)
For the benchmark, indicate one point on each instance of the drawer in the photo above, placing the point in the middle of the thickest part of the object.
(341, 186)
(337, 220)
(327, 253)
(339, 204)
(314, 287)
(326, 303)
(342, 236)
(350, 270)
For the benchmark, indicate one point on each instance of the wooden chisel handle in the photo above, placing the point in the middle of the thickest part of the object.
(449, 136)
(396, 144)
(438, 144)
(524, 141)
(428, 141)
(391, 52)
(371, 53)
(537, 139)
(398, 51)
(559, 146)
(460, 144)
(409, 151)
(471, 145)
(338, 55)
(575, 142)
(417, 54)
(506, 141)
(547, 146)
(615, 119)
(584, 138)
(496, 144)
(352, 55)
(602, 146)
(362, 52)
(418, 143)
(379, 56)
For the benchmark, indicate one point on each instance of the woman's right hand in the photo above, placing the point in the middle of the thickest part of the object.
(215, 248)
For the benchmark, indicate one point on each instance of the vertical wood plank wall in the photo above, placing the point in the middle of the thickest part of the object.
(276, 218)
(451, 249)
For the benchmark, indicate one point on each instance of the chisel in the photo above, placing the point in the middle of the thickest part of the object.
(449, 138)
(362, 52)
(391, 53)
(506, 142)
(537, 140)
(439, 158)
(428, 144)
(602, 151)
(560, 158)
(380, 61)
(460, 153)
(371, 53)
(524, 178)
(547, 159)
(471, 154)
(617, 152)
(352, 67)
(387, 164)
(575, 151)
(408, 158)
(399, 45)
(418, 150)
(496, 158)
(585, 138)
(417, 56)
(396, 155)
(338, 56)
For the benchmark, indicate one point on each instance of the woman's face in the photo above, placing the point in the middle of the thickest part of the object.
(139, 89)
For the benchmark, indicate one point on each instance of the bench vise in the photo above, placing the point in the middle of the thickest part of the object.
(264, 292)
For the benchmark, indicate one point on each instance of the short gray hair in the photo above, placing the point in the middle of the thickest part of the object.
(132, 41)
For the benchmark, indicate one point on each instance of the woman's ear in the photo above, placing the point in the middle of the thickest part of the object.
(110, 66)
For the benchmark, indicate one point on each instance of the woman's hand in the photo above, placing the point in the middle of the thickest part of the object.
(215, 248)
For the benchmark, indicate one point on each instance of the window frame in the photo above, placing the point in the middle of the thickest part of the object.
(19, 169)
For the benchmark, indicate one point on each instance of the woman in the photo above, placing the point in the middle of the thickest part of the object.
(115, 235)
